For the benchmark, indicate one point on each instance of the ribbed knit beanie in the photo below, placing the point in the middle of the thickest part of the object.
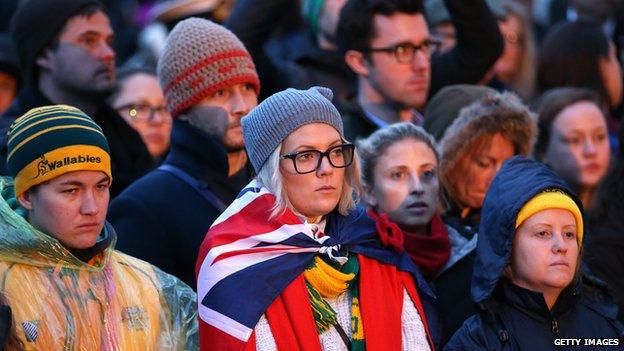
(35, 23)
(199, 59)
(554, 199)
(267, 125)
(49, 141)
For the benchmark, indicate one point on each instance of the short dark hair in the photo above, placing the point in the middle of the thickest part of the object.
(550, 104)
(355, 26)
(570, 56)
(87, 11)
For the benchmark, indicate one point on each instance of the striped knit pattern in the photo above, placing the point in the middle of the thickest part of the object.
(267, 125)
(52, 140)
(323, 281)
(199, 59)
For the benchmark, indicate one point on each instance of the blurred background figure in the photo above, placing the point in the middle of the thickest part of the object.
(573, 138)
(139, 99)
(604, 252)
(441, 24)
(474, 145)
(608, 14)
(400, 174)
(579, 54)
(515, 68)
(156, 19)
(293, 43)
(9, 73)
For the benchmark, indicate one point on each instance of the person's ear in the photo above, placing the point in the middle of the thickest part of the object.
(357, 62)
(508, 272)
(25, 200)
(44, 60)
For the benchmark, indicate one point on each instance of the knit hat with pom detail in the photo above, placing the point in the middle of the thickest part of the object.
(267, 125)
(49, 141)
(199, 59)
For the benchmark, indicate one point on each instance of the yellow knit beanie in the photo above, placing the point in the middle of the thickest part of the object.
(552, 199)
(49, 141)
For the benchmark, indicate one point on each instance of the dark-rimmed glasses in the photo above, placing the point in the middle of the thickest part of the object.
(145, 113)
(308, 161)
(405, 52)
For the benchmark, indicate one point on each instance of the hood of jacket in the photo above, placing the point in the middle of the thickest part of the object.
(517, 182)
(21, 243)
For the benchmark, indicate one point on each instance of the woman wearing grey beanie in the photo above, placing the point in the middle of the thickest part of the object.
(293, 263)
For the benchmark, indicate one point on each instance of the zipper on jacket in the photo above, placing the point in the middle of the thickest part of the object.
(554, 326)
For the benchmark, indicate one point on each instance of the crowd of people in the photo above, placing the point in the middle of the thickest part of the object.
(311, 175)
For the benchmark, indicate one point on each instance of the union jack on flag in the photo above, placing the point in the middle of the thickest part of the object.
(247, 259)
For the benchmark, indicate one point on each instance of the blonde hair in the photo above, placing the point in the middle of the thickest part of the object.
(271, 177)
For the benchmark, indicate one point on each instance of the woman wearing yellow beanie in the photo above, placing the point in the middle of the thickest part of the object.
(526, 281)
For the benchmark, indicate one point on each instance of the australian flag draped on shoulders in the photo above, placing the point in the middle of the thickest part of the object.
(250, 265)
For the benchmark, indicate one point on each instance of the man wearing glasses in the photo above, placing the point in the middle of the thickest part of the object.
(210, 83)
(388, 45)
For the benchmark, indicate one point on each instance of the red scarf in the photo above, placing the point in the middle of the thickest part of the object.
(429, 252)
(381, 302)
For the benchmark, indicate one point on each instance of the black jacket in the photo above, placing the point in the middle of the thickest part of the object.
(452, 284)
(604, 253)
(514, 318)
(130, 159)
(162, 219)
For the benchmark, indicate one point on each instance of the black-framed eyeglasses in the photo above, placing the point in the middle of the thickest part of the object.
(308, 161)
(405, 52)
(145, 113)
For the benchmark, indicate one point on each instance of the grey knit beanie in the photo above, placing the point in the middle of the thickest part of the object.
(199, 59)
(267, 125)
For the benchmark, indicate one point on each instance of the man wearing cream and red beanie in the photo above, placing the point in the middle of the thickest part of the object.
(210, 83)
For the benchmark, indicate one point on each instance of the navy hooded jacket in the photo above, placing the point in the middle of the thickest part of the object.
(515, 318)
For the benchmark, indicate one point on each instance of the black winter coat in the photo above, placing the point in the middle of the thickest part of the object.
(604, 254)
(514, 318)
(452, 285)
(162, 219)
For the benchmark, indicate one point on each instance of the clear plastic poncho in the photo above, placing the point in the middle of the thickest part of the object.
(58, 302)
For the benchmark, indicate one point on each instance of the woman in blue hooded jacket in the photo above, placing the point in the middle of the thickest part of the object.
(526, 280)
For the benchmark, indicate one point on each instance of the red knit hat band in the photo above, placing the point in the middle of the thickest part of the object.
(200, 58)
